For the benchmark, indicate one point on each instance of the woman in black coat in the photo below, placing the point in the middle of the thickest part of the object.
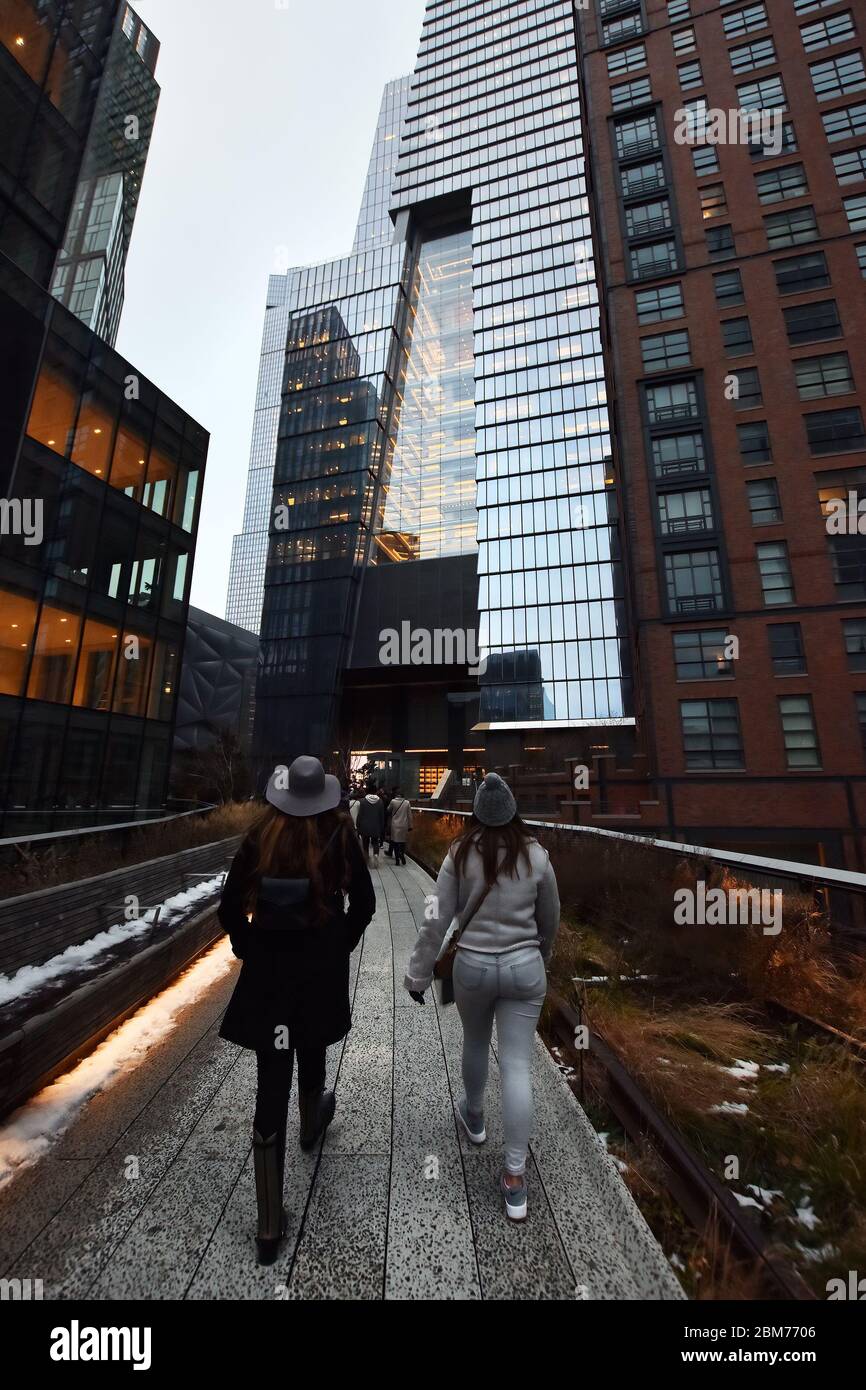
(283, 906)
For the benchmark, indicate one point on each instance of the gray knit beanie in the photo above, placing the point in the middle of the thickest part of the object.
(494, 803)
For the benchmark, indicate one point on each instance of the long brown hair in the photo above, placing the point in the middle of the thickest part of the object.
(292, 847)
(514, 838)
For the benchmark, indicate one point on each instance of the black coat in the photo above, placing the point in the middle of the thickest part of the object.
(294, 974)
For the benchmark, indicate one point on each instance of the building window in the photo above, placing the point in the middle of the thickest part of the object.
(829, 375)
(705, 160)
(851, 165)
(861, 259)
(787, 652)
(767, 94)
(854, 636)
(806, 6)
(631, 93)
(798, 729)
(846, 123)
(626, 60)
(657, 258)
(647, 218)
(664, 351)
(835, 431)
(728, 287)
(754, 439)
(737, 337)
(615, 30)
(770, 150)
(702, 656)
(683, 513)
(812, 323)
(720, 242)
(638, 136)
(790, 228)
(855, 209)
(775, 569)
(677, 10)
(749, 393)
(655, 305)
(713, 200)
(824, 32)
(676, 454)
(690, 75)
(775, 185)
(677, 400)
(860, 705)
(752, 55)
(744, 21)
(764, 505)
(683, 42)
(836, 76)
(848, 557)
(711, 734)
(799, 274)
(642, 178)
(694, 581)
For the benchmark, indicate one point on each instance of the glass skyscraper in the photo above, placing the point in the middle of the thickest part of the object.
(435, 407)
(89, 271)
(288, 295)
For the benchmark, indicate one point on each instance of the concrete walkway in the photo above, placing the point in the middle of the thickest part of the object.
(149, 1195)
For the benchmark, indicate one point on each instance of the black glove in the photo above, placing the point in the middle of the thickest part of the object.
(417, 996)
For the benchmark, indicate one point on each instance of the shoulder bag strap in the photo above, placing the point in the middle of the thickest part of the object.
(468, 918)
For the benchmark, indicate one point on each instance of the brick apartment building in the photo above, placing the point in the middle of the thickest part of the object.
(735, 318)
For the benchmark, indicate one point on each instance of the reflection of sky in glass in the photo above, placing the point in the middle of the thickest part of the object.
(429, 509)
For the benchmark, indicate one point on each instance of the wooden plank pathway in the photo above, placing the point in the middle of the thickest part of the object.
(149, 1194)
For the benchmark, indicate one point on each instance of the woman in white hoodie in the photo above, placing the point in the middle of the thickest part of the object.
(498, 881)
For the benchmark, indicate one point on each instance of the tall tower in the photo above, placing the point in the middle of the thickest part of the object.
(289, 294)
(89, 271)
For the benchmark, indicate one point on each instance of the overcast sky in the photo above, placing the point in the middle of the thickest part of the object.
(259, 154)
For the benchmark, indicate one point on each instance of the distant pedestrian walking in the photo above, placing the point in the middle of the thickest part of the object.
(497, 881)
(371, 823)
(400, 812)
(284, 909)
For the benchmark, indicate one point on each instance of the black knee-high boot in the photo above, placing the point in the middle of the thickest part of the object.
(317, 1111)
(268, 1162)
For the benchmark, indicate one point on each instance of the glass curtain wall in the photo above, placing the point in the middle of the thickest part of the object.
(428, 505)
(494, 112)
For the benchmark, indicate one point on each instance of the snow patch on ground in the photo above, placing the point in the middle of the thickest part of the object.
(30, 1131)
(806, 1214)
(33, 977)
(746, 1201)
(764, 1194)
(729, 1107)
(743, 1071)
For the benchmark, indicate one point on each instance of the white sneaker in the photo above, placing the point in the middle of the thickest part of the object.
(473, 1125)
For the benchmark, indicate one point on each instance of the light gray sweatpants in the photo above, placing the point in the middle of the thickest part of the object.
(509, 987)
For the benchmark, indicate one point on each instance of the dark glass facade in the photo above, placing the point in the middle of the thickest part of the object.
(52, 60)
(89, 272)
(100, 478)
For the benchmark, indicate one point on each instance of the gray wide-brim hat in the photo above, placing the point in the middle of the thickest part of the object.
(304, 789)
(494, 801)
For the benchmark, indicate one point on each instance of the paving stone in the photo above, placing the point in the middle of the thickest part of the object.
(341, 1254)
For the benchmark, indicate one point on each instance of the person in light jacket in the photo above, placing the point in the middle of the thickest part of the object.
(371, 823)
(500, 970)
(284, 909)
(400, 812)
